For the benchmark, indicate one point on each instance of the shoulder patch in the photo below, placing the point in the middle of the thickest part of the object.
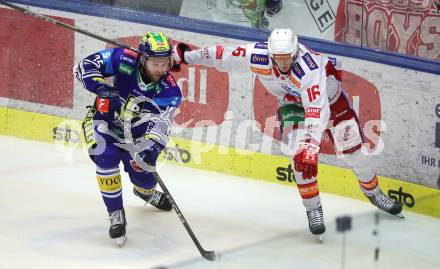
(298, 71)
(260, 45)
(309, 61)
(170, 80)
(126, 69)
(105, 54)
(259, 59)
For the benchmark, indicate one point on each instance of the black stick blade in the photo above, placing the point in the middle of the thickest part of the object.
(211, 255)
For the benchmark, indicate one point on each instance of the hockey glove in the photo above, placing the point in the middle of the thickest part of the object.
(306, 159)
(108, 102)
(149, 150)
(179, 55)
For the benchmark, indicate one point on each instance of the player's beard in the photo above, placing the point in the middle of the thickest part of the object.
(148, 76)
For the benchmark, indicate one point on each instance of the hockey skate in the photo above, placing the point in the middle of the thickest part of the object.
(274, 9)
(386, 204)
(157, 199)
(316, 222)
(117, 226)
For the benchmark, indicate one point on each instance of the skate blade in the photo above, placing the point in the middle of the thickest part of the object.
(400, 216)
(319, 238)
(120, 241)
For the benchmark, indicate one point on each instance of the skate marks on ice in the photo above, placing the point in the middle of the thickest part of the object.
(53, 215)
(383, 242)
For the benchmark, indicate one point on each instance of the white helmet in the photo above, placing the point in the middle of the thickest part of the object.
(282, 41)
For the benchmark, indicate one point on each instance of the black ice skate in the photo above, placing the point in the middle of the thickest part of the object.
(274, 8)
(316, 221)
(117, 226)
(157, 199)
(386, 204)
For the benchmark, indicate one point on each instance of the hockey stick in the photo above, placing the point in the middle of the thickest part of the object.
(68, 26)
(207, 254)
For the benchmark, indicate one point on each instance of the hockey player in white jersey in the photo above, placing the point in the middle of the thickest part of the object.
(308, 82)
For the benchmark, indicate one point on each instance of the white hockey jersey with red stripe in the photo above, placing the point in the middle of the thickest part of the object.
(314, 80)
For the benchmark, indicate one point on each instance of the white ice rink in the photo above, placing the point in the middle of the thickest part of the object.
(52, 216)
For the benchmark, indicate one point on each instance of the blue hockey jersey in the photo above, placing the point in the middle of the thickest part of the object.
(148, 107)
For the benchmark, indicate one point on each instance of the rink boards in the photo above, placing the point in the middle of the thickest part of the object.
(230, 115)
(66, 135)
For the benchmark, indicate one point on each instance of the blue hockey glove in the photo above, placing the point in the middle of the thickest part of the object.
(150, 150)
(108, 102)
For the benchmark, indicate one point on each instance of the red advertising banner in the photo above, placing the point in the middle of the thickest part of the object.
(36, 59)
(409, 27)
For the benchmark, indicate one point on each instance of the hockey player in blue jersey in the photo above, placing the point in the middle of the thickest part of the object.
(136, 89)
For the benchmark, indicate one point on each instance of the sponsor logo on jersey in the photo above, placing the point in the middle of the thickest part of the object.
(295, 82)
(261, 45)
(127, 59)
(298, 71)
(313, 112)
(130, 52)
(219, 52)
(309, 61)
(259, 59)
(132, 108)
(286, 87)
(261, 71)
(110, 183)
(293, 114)
(126, 69)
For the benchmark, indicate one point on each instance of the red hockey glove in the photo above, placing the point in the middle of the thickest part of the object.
(178, 55)
(306, 159)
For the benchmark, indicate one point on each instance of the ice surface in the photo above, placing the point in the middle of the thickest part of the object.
(52, 216)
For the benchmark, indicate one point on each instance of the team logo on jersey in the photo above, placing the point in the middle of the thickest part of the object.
(298, 71)
(259, 59)
(309, 61)
(261, 45)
